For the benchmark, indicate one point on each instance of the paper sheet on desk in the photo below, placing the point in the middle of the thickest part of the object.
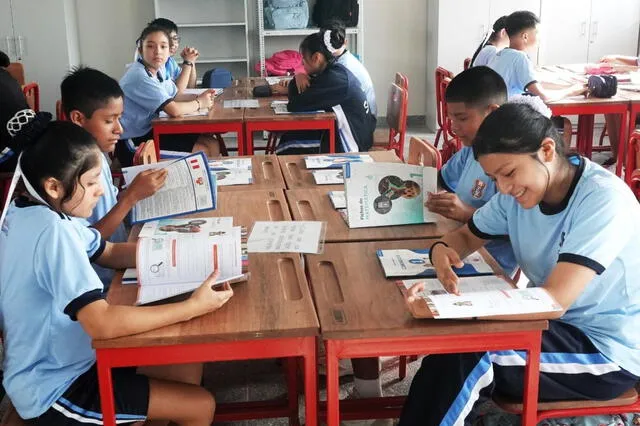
(163, 114)
(197, 92)
(328, 177)
(241, 103)
(287, 237)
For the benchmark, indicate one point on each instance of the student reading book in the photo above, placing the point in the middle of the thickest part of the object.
(189, 188)
(574, 230)
(380, 194)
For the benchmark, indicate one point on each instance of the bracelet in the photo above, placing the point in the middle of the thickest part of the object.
(433, 246)
(189, 63)
(196, 99)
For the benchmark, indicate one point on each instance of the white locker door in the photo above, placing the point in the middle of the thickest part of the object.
(506, 7)
(459, 34)
(7, 42)
(614, 28)
(41, 32)
(564, 31)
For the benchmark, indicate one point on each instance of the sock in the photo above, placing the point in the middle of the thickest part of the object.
(368, 388)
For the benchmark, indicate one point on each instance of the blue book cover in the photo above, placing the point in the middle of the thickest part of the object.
(415, 263)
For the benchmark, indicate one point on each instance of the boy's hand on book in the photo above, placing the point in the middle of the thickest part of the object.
(147, 183)
(449, 205)
(207, 299)
(443, 259)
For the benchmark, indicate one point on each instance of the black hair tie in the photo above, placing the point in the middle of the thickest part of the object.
(26, 127)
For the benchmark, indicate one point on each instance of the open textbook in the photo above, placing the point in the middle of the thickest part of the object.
(232, 171)
(479, 297)
(189, 188)
(177, 263)
(328, 177)
(380, 194)
(335, 161)
(338, 200)
(416, 263)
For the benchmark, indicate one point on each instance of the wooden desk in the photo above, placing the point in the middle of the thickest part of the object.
(362, 314)
(297, 176)
(219, 120)
(264, 118)
(266, 175)
(314, 204)
(270, 316)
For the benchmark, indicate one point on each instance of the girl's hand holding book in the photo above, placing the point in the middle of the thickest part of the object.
(207, 298)
(443, 258)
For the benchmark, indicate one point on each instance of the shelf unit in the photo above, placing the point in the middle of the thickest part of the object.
(356, 33)
(219, 29)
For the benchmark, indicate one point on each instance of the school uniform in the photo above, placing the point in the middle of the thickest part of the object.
(356, 67)
(336, 90)
(46, 279)
(515, 68)
(485, 55)
(11, 101)
(593, 351)
(172, 69)
(104, 206)
(145, 95)
(464, 176)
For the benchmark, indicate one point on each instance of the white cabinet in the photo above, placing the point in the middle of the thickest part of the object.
(579, 31)
(42, 34)
(217, 28)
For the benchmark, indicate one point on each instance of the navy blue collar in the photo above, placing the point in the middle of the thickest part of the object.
(23, 201)
(158, 75)
(548, 209)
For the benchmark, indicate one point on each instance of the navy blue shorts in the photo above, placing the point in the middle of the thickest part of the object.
(80, 403)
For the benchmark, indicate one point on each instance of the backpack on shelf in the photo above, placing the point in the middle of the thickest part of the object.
(217, 78)
(285, 62)
(347, 11)
(286, 14)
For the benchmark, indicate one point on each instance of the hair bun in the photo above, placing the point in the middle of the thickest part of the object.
(25, 127)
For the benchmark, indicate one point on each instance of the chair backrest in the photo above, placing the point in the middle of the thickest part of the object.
(441, 73)
(402, 81)
(32, 94)
(397, 118)
(145, 153)
(60, 115)
(423, 153)
(467, 63)
(16, 70)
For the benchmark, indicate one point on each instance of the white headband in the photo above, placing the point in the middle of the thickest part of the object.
(327, 43)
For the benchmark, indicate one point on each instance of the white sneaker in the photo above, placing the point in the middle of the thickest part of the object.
(344, 367)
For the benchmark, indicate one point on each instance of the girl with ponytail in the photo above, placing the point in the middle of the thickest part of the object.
(492, 43)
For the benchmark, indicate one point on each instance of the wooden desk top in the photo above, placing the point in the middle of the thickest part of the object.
(354, 299)
(314, 204)
(297, 176)
(266, 113)
(266, 175)
(275, 302)
(217, 114)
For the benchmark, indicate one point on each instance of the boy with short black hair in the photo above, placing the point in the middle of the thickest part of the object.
(471, 96)
(94, 101)
(515, 67)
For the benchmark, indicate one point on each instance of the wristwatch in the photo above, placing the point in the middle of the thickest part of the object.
(185, 62)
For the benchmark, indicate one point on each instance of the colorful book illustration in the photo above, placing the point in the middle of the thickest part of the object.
(432, 286)
(232, 171)
(415, 263)
(170, 265)
(189, 188)
(338, 200)
(328, 177)
(382, 194)
(207, 225)
(335, 161)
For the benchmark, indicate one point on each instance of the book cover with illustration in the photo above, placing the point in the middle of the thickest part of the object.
(381, 194)
(416, 263)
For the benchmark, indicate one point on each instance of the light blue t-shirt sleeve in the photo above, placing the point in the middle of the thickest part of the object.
(62, 263)
(173, 69)
(149, 93)
(524, 72)
(490, 221)
(599, 230)
(452, 169)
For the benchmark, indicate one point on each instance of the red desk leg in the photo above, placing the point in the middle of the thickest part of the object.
(234, 127)
(333, 391)
(106, 390)
(531, 382)
(625, 123)
(311, 382)
(282, 126)
(332, 139)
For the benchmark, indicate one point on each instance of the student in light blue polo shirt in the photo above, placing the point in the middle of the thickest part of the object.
(336, 42)
(574, 230)
(53, 303)
(514, 65)
(147, 91)
(94, 101)
(493, 43)
(471, 96)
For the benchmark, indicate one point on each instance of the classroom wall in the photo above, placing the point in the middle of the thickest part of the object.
(395, 40)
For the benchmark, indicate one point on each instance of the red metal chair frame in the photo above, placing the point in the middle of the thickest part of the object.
(441, 73)
(397, 104)
(467, 63)
(32, 91)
